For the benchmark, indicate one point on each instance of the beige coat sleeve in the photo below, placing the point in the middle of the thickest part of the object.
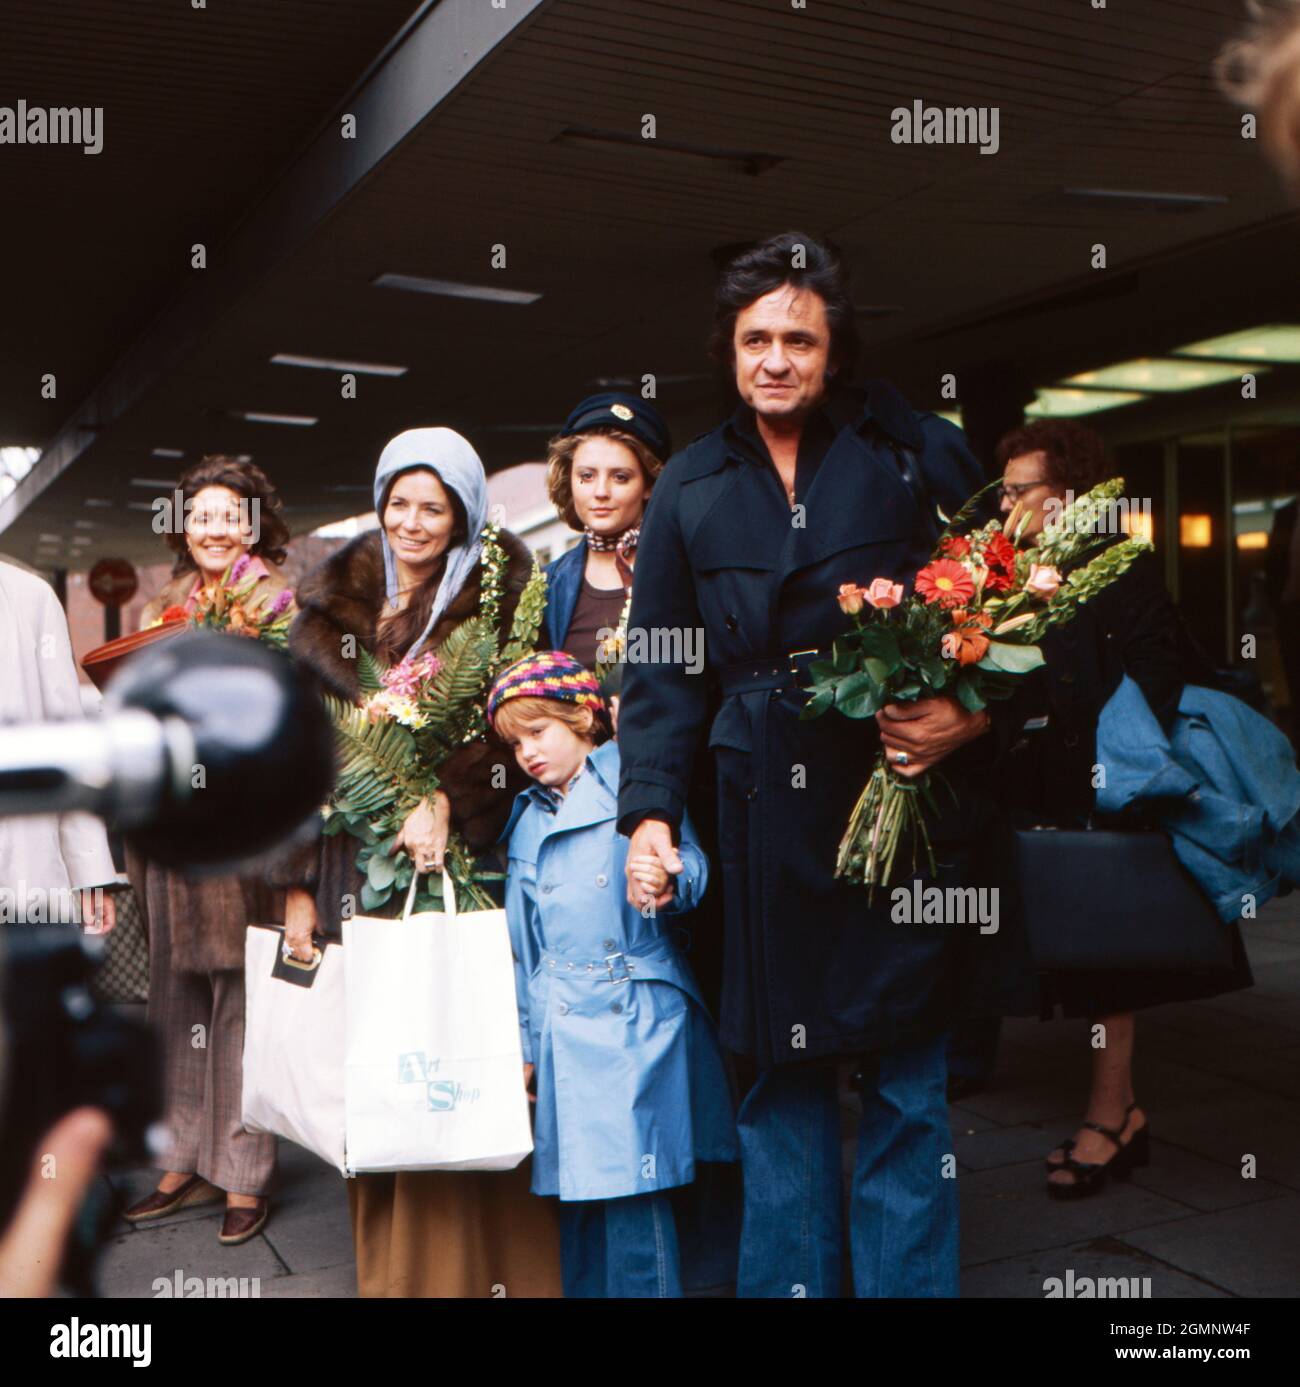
(83, 841)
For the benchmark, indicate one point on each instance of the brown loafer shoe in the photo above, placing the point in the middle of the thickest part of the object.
(241, 1224)
(159, 1204)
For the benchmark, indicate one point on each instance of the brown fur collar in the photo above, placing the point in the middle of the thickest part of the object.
(344, 596)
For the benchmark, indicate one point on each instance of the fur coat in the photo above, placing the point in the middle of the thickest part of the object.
(205, 916)
(344, 596)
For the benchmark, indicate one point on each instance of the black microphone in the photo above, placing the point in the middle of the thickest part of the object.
(211, 749)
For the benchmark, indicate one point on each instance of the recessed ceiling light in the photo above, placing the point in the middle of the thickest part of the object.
(1138, 200)
(1155, 373)
(140, 505)
(749, 161)
(330, 363)
(49, 539)
(257, 416)
(82, 539)
(99, 501)
(85, 524)
(154, 482)
(1273, 342)
(1065, 404)
(454, 289)
(167, 453)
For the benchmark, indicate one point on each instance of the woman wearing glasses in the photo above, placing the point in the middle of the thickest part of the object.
(1131, 628)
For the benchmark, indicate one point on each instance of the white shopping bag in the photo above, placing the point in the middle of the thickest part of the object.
(293, 1045)
(433, 1068)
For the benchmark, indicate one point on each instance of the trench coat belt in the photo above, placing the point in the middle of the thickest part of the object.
(660, 962)
(767, 672)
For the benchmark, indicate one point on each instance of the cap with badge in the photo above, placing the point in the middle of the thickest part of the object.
(628, 413)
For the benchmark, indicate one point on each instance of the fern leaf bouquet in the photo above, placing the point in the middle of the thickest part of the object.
(411, 718)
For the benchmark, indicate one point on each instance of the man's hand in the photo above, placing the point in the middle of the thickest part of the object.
(528, 1078)
(651, 838)
(98, 911)
(927, 731)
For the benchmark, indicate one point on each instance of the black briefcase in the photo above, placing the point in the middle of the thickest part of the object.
(1097, 900)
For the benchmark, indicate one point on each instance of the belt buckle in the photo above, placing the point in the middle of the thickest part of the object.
(795, 671)
(611, 962)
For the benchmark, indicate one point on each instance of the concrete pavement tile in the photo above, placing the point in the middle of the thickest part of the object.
(1240, 1027)
(1045, 1099)
(998, 1146)
(333, 1283)
(1205, 1185)
(963, 1122)
(1250, 1251)
(310, 1228)
(131, 1263)
(1274, 1071)
(1024, 1277)
(1006, 1212)
(1237, 1122)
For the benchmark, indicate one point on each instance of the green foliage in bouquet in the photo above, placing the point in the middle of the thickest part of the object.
(388, 761)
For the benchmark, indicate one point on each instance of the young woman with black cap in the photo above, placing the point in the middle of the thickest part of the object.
(602, 467)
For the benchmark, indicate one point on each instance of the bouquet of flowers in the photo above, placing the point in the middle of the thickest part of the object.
(413, 715)
(969, 629)
(227, 608)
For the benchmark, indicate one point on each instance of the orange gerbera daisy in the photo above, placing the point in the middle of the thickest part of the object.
(945, 581)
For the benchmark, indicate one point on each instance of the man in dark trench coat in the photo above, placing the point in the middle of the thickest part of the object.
(747, 538)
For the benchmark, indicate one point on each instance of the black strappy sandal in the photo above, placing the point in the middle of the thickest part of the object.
(1090, 1176)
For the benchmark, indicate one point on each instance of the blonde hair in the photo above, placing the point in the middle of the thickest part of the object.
(578, 717)
(1261, 71)
(559, 466)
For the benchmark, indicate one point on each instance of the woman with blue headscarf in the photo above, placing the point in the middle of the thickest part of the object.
(400, 591)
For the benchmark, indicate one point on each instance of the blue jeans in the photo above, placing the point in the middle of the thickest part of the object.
(902, 1206)
(619, 1247)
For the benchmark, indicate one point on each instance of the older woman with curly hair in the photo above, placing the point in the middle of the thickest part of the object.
(229, 523)
(601, 468)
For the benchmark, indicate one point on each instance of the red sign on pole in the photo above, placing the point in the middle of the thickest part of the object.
(113, 582)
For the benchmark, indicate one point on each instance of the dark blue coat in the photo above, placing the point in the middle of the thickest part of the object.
(810, 969)
(563, 584)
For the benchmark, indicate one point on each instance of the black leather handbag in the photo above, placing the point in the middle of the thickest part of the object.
(1097, 900)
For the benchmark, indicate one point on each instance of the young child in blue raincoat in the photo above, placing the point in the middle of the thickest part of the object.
(631, 1091)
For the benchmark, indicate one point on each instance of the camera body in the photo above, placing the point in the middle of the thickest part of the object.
(65, 1050)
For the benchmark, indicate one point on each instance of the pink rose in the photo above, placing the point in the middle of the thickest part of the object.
(850, 597)
(883, 593)
(1043, 581)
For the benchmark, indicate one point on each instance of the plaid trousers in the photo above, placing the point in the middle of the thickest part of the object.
(200, 1018)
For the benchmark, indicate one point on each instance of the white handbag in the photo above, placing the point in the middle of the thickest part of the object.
(293, 1045)
(433, 1065)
